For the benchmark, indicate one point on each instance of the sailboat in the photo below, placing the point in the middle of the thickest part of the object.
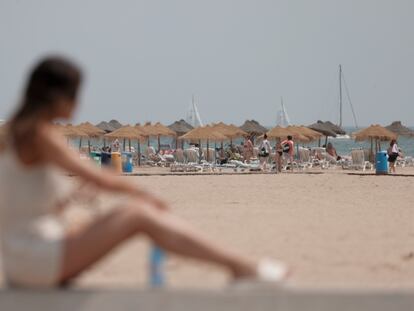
(193, 116)
(282, 118)
(342, 80)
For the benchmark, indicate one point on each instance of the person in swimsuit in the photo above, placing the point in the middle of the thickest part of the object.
(289, 151)
(393, 153)
(278, 157)
(247, 149)
(37, 250)
(264, 152)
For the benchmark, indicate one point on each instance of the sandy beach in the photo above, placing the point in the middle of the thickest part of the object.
(334, 229)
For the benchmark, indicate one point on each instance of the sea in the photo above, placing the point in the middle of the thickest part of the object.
(342, 146)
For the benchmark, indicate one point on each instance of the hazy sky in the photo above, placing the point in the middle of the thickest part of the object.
(144, 59)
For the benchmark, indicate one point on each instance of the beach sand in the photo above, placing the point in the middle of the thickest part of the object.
(333, 229)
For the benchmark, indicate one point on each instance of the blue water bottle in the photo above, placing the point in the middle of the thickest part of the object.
(157, 259)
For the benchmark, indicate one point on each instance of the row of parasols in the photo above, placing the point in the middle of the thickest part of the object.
(182, 131)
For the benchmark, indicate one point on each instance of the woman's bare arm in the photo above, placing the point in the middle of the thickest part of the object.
(55, 151)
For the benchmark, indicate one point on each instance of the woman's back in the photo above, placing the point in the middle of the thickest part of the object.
(27, 192)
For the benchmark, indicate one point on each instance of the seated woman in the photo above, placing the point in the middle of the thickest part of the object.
(37, 250)
(332, 152)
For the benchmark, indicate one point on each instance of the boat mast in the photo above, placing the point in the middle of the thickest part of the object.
(340, 96)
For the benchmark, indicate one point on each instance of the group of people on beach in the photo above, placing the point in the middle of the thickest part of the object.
(283, 150)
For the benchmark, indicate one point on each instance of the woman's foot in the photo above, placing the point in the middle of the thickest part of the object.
(265, 271)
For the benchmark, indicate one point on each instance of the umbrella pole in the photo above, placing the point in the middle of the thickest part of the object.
(326, 140)
(207, 151)
(139, 153)
(129, 143)
(89, 146)
(149, 141)
(200, 152)
(319, 142)
(371, 155)
(104, 141)
(159, 143)
(80, 143)
(123, 144)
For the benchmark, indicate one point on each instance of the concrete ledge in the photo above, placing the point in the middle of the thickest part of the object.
(181, 300)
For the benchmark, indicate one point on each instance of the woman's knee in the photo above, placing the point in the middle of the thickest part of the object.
(141, 212)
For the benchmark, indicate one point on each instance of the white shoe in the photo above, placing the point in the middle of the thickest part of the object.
(270, 273)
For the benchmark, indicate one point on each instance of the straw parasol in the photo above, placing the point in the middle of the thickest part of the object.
(311, 134)
(322, 128)
(130, 133)
(207, 133)
(157, 130)
(278, 133)
(105, 126)
(375, 133)
(335, 128)
(253, 128)
(399, 129)
(180, 128)
(115, 124)
(70, 131)
(229, 130)
(91, 130)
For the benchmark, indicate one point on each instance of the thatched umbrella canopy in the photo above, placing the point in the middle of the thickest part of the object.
(204, 133)
(130, 133)
(115, 124)
(91, 130)
(105, 126)
(229, 130)
(180, 127)
(253, 128)
(375, 133)
(311, 134)
(399, 129)
(279, 133)
(157, 130)
(71, 131)
(335, 128)
(322, 128)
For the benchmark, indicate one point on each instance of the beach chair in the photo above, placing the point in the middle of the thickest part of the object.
(191, 155)
(211, 154)
(179, 156)
(358, 160)
(319, 157)
(305, 160)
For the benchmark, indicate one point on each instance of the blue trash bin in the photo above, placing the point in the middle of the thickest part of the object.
(127, 162)
(381, 163)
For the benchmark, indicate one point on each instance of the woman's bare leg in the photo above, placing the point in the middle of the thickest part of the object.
(86, 246)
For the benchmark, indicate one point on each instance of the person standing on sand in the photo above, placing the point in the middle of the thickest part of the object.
(278, 157)
(247, 149)
(289, 150)
(264, 152)
(37, 250)
(393, 153)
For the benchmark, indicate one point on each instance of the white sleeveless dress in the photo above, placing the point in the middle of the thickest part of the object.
(31, 230)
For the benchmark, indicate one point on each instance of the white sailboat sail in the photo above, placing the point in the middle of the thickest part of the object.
(282, 118)
(193, 116)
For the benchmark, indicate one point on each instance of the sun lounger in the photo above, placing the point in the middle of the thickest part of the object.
(358, 160)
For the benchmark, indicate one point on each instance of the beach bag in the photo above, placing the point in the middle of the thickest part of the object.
(286, 148)
(263, 152)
